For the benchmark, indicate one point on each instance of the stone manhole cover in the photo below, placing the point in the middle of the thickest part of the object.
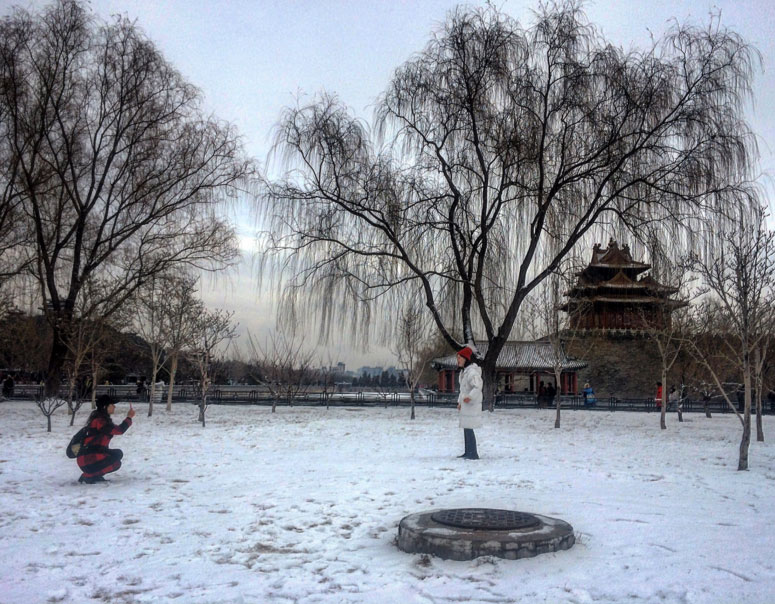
(464, 534)
(483, 519)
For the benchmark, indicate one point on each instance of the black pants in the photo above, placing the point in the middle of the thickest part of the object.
(470, 442)
(109, 463)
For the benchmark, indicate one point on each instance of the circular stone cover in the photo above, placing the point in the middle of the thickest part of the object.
(486, 519)
(465, 534)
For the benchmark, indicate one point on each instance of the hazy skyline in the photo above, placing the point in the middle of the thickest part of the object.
(253, 58)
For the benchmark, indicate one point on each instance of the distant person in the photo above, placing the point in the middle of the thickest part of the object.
(551, 392)
(8, 386)
(674, 399)
(95, 458)
(658, 398)
(469, 401)
(590, 400)
(141, 390)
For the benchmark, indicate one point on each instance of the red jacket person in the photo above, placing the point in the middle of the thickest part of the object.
(95, 458)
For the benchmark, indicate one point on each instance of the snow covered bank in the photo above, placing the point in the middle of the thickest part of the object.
(303, 505)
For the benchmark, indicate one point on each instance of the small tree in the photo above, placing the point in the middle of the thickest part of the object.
(152, 306)
(413, 335)
(738, 277)
(665, 325)
(286, 365)
(327, 378)
(211, 330)
(180, 310)
(543, 319)
(707, 347)
(47, 406)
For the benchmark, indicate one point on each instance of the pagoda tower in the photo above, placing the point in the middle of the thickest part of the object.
(610, 295)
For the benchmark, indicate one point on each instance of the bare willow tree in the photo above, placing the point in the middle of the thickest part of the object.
(739, 275)
(119, 169)
(494, 151)
(213, 330)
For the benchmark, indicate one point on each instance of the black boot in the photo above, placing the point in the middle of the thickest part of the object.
(91, 480)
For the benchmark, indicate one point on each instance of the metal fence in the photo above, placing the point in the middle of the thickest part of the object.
(253, 395)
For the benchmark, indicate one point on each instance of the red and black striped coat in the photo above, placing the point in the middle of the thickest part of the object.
(96, 458)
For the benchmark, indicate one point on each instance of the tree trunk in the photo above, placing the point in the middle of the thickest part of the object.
(94, 388)
(759, 426)
(707, 408)
(662, 423)
(48, 420)
(745, 441)
(152, 391)
(411, 398)
(557, 394)
(173, 370)
(759, 388)
(76, 407)
(70, 403)
(490, 383)
(55, 363)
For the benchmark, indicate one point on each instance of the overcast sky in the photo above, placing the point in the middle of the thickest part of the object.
(251, 58)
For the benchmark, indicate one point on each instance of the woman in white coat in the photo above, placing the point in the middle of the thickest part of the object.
(469, 402)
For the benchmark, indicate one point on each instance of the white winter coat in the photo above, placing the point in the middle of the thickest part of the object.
(471, 388)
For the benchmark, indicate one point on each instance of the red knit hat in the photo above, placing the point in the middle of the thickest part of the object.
(466, 353)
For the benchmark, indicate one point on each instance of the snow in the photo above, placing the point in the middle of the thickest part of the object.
(303, 506)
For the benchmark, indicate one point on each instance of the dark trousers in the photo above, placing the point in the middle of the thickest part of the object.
(109, 463)
(470, 443)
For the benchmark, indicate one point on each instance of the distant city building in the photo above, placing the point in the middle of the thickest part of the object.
(370, 371)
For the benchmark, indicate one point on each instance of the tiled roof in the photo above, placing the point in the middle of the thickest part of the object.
(620, 280)
(614, 256)
(518, 355)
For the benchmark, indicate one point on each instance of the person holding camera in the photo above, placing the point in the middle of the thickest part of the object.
(95, 457)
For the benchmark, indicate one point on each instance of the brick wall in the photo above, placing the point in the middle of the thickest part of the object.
(620, 365)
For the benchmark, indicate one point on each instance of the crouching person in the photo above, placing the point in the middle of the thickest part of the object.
(95, 458)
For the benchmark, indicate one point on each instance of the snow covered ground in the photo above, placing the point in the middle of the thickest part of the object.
(303, 506)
